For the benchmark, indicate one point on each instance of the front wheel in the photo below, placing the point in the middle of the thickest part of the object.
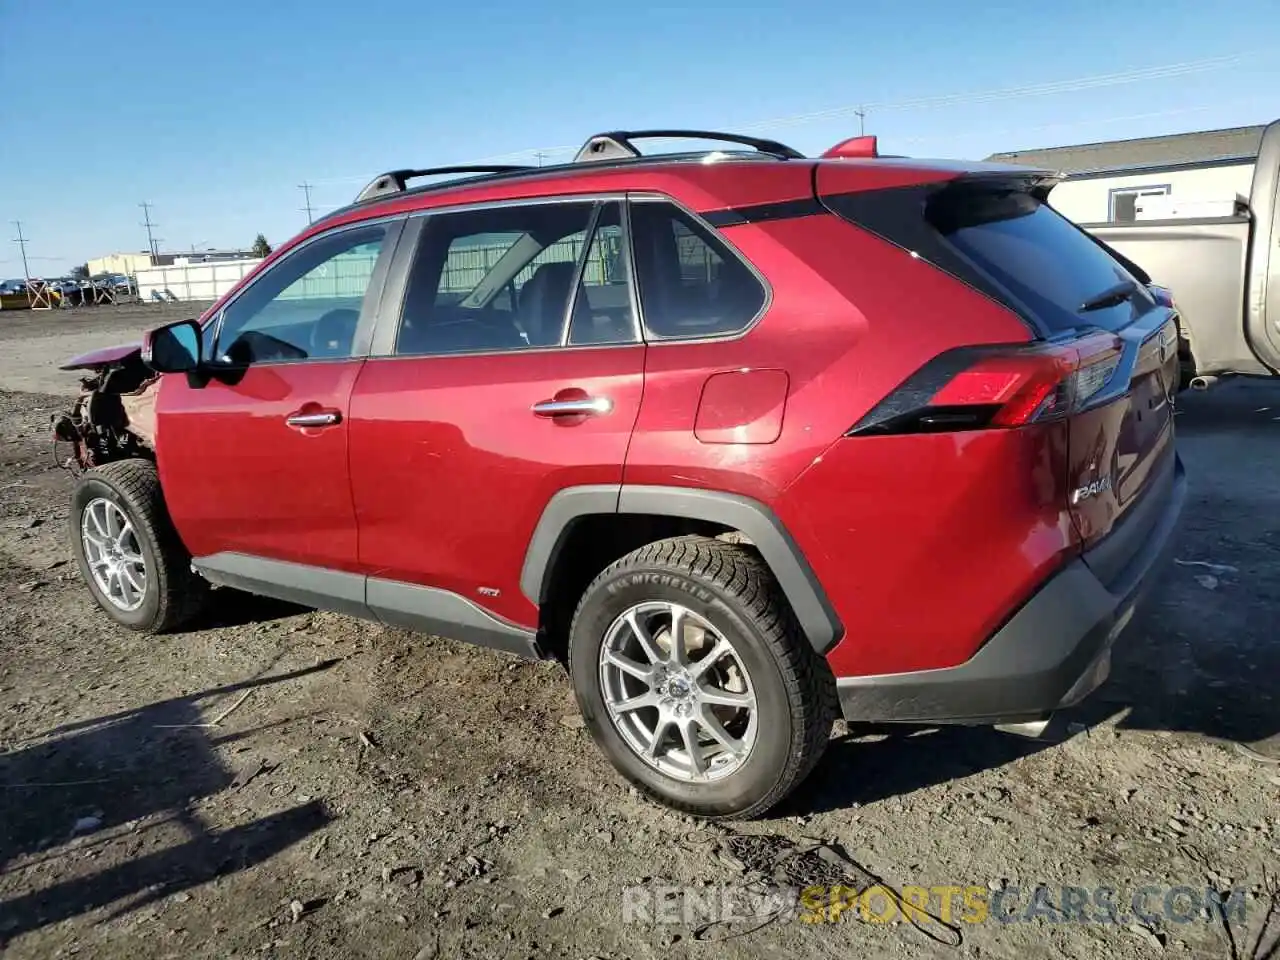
(127, 550)
(695, 679)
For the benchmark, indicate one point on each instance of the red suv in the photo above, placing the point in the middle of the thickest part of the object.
(746, 439)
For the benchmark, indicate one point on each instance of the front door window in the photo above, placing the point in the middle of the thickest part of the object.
(307, 306)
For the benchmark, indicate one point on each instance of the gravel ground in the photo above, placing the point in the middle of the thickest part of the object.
(280, 782)
(33, 343)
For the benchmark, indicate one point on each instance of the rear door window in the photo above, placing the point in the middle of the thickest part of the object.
(1037, 255)
(602, 308)
(691, 284)
(519, 277)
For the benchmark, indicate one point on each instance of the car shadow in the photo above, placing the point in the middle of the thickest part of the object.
(1205, 656)
(74, 790)
(235, 608)
(1200, 658)
(873, 763)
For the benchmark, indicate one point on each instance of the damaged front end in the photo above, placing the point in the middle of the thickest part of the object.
(114, 416)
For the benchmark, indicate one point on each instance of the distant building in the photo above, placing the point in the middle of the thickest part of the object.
(1108, 181)
(207, 256)
(130, 263)
(126, 263)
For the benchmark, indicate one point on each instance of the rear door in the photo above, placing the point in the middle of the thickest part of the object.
(1121, 435)
(253, 458)
(513, 370)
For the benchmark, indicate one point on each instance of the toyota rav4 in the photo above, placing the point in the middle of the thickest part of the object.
(746, 439)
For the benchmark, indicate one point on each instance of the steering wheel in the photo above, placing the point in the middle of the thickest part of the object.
(333, 332)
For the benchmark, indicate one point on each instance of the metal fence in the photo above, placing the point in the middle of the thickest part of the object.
(466, 266)
(344, 276)
(192, 281)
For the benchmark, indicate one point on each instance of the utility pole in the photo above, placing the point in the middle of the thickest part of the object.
(306, 192)
(151, 240)
(21, 241)
(862, 120)
(540, 155)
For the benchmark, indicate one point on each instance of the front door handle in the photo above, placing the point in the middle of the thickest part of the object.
(320, 418)
(576, 407)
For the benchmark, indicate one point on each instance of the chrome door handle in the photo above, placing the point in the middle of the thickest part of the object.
(325, 419)
(571, 408)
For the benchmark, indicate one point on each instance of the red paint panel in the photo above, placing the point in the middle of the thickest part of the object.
(926, 543)
(100, 358)
(850, 318)
(745, 406)
(451, 469)
(237, 478)
(852, 175)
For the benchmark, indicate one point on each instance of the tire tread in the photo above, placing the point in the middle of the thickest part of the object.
(740, 573)
(182, 593)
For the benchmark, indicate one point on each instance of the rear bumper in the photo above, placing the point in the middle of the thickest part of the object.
(1053, 652)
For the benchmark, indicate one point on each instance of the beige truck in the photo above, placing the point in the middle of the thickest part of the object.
(1223, 271)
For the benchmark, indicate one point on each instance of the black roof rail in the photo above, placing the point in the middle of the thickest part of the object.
(394, 181)
(617, 145)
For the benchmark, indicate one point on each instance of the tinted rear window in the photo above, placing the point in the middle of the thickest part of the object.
(1037, 255)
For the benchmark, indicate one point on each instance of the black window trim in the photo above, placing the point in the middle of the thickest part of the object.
(579, 269)
(633, 295)
(879, 213)
(369, 304)
(654, 340)
(391, 307)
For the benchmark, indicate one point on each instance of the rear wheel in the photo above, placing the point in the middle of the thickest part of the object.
(695, 679)
(127, 550)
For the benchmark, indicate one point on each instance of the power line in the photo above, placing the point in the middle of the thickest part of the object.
(861, 110)
(1095, 81)
(305, 187)
(21, 241)
(151, 239)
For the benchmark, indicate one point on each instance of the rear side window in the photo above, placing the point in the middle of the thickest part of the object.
(602, 307)
(691, 284)
(1038, 256)
(494, 279)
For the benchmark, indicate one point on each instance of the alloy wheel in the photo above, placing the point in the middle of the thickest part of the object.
(678, 692)
(114, 554)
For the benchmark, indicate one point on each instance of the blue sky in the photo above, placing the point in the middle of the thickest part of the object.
(215, 112)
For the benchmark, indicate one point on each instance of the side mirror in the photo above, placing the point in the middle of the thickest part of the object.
(174, 348)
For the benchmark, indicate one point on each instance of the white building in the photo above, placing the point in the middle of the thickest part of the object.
(123, 263)
(1107, 182)
(130, 264)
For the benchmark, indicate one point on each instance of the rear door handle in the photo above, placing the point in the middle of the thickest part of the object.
(321, 418)
(577, 407)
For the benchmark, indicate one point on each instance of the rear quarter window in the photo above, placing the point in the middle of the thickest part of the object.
(691, 284)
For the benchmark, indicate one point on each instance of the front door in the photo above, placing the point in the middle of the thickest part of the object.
(253, 458)
(516, 370)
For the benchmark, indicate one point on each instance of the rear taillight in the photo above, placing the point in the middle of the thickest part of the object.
(1001, 387)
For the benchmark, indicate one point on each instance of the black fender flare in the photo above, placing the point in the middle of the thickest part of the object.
(756, 521)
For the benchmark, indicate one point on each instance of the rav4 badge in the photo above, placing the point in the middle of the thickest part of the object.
(1091, 490)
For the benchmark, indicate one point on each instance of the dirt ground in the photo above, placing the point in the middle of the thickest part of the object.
(278, 782)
